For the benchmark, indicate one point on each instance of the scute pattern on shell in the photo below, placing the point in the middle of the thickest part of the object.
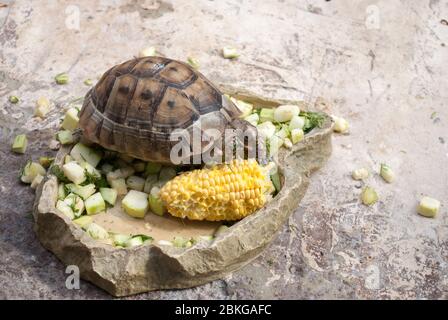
(137, 104)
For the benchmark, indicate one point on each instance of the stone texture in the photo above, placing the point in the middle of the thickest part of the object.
(389, 82)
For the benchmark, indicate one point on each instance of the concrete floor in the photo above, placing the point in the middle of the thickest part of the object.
(380, 64)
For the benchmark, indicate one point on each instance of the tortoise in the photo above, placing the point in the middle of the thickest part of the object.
(137, 105)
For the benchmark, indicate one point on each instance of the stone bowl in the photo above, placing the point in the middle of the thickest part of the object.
(127, 271)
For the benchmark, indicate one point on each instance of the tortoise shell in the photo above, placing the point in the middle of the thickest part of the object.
(136, 105)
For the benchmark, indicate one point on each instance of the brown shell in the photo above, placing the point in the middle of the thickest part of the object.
(137, 104)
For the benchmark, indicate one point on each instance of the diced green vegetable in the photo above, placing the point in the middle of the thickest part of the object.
(139, 166)
(97, 232)
(428, 207)
(119, 185)
(283, 132)
(109, 195)
(156, 205)
(13, 99)
(71, 119)
(296, 123)
(230, 53)
(340, 125)
(81, 153)
(83, 191)
(68, 159)
(74, 172)
(167, 173)
(83, 221)
(253, 119)
(266, 130)
(43, 106)
(61, 191)
(30, 171)
(61, 78)
(20, 143)
(152, 167)
(36, 181)
(135, 183)
(285, 113)
(360, 174)
(120, 239)
(204, 238)
(275, 143)
(134, 242)
(275, 178)
(106, 168)
(76, 203)
(369, 196)
(147, 52)
(297, 135)
(165, 243)
(222, 228)
(95, 204)
(46, 161)
(386, 173)
(91, 171)
(287, 143)
(65, 209)
(244, 107)
(181, 242)
(88, 82)
(150, 181)
(65, 137)
(193, 62)
(266, 114)
(135, 204)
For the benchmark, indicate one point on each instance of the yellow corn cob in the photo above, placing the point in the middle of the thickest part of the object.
(222, 192)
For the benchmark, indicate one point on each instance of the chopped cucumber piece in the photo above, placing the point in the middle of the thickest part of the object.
(204, 238)
(360, 174)
(120, 239)
(285, 113)
(71, 119)
(253, 119)
(36, 181)
(81, 153)
(43, 106)
(297, 123)
(428, 207)
(83, 221)
(297, 135)
(20, 143)
(287, 143)
(386, 173)
(230, 53)
(152, 167)
(275, 178)
(65, 209)
(167, 173)
(266, 129)
(150, 181)
(193, 62)
(74, 172)
(109, 195)
(61, 78)
(244, 107)
(266, 114)
(46, 161)
(135, 183)
(156, 205)
(135, 204)
(30, 171)
(75, 202)
(275, 143)
(13, 99)
(165, 243)
(147, 52)
(340, 125)
(283, 132)
(134, 242)
(95, 204)
(119, 185)
(91, 171)
(139, 166)
(61, 191)
(106, 168)
(181, 242)
(65, 137)
(97, 232)
(83, 191)
(68, 159)
(369, 196)
(222, 229)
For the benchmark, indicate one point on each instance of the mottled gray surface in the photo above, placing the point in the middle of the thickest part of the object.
(390, 82)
